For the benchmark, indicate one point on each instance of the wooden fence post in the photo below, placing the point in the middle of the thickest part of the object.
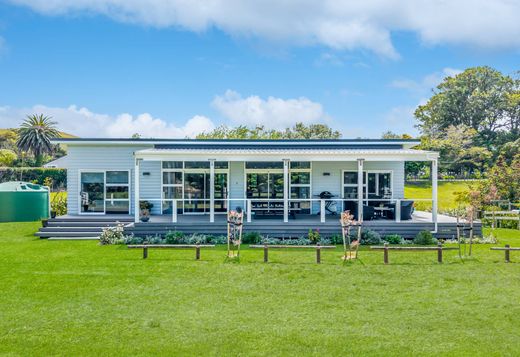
(197, 253)
(266, 253)
(507, 254)
(145, 252)
(385, 255)
(439, 252)
(318, 253)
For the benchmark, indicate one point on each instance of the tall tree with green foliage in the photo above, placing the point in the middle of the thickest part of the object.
(35, 136)
(298, 131)
(480, 98)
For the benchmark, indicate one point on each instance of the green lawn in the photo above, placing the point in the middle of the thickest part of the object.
(79, 298)
(446, 190)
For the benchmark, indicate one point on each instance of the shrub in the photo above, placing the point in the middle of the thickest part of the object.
(393, 239)
(336, 239)
(369, 237)
(156, 239)
(7, 157)
(59, 205)
(277, 241)
(131, 239)
(174, 238)
(251, 238)
(217, 239)
(424, 238)
(314, 236)
(112, 235)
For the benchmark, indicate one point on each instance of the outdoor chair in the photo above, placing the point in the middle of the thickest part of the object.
(406, 210)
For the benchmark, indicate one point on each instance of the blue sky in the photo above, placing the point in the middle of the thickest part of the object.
(164, 69)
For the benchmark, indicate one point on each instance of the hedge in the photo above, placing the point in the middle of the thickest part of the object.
(34, 175)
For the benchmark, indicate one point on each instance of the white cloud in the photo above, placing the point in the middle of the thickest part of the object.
(337, 24)
(427, 83)
(271, 112)
(82, 122)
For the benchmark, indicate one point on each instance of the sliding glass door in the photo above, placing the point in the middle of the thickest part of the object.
(195, 192)
(104, 192)
(92, 192)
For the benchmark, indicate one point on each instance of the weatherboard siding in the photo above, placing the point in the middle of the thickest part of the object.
(104, 157)
(98, 158)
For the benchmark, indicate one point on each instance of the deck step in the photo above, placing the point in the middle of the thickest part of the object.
(73, 238)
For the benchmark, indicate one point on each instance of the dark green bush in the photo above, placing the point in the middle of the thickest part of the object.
(424, 238)
(251, 238)
(174, 238)
(369, 237)
(393, 239)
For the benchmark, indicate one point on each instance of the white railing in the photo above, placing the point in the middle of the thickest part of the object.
(249, 208)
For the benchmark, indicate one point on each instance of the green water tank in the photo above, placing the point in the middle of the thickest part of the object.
(23, 202)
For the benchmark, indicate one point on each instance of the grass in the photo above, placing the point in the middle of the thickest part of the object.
(79, 298)
(446, 189)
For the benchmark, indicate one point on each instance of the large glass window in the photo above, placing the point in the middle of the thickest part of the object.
(117, 192)
(172, 178)
(375, 185)
(300, 186)
(196, 164)
(105, 192)
(172, 164)
(92, 193)
(189, 182)
(264, 165)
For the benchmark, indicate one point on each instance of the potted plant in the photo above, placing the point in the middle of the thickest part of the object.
(145, 208)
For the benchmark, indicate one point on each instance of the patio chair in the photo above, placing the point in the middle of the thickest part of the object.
(368, 211)
(406, 210)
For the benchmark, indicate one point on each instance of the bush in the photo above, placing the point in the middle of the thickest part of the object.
(251, 238)
(336, 239)
(369, 237)
(314, 236)
(217, 239)
(59, 204)
(156, 239)
(174, 238)
(424, 238)
(112, 235)
(393, 239)
(7, 157)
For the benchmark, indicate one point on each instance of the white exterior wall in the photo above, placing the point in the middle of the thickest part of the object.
(151, 185)
(121, 158)
(101, 158)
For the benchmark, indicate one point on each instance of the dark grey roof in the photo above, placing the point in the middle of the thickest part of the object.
(322, 141)
(275, 145)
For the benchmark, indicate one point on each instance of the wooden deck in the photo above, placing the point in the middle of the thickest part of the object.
(274, 226)
(92, 225)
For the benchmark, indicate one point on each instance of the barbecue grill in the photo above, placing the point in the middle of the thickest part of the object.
(330, 206)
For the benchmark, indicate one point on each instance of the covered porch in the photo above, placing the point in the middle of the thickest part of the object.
(281, 186)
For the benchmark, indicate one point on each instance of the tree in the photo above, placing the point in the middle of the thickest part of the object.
(8, 139)
(457, 151)
(35, 136)
(480, 98)
(7, 157)
(391, 135)
(298, 131)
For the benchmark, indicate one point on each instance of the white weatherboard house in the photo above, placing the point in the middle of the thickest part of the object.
(281, 184)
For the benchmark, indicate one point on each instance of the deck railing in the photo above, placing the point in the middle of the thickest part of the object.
(248, 207)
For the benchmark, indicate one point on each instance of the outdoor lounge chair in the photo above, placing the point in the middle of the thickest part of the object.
(406, 210)
(368, 211)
